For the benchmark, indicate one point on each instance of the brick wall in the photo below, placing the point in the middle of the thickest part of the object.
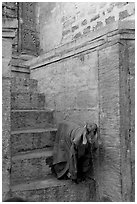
(82, 80)
(62, 22)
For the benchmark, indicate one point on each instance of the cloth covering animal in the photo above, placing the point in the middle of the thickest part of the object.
(72, 153)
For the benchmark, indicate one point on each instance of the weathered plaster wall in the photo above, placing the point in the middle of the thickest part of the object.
(62, 22)
(71, 87)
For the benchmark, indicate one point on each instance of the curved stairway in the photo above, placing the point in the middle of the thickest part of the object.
(33, 132)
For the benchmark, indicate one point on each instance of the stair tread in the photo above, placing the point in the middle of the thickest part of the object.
(33, 154)
(33, 110)
(50, 182)
(21, 65)
(33, 130)
(24, 92)
(19, 79)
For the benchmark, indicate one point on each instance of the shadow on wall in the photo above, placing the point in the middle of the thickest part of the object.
(105, 199)
(15, 199)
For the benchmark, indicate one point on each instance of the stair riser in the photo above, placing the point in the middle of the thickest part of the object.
(27, 101)
(23, 85)
(23, 142)
(31, 119)
(68, 193)
(20, 74)
(29, 170)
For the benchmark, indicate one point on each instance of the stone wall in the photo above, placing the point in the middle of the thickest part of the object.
(109, 123)
(62, 22)
(127, 117)
(6, 154)
(71, 87)
(9, 26)
(83, 80)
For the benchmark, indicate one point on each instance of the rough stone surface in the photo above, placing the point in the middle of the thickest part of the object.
(28, 119)
(52, 190)
(131, 48)
(92, 86)
(22, 141)
(6, 151)
(109, 155)
(27, 101)
(6, 56)
(127, 102)
(23, 85)
(30, 166)
(71, 87)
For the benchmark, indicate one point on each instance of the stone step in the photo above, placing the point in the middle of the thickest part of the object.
(23, 75)
(27, 100)
(23, 69)
(30, 166)
(25, 119)
(53, 190)
(23, 85)
(34, 139)
(19, 60)
(22, 57)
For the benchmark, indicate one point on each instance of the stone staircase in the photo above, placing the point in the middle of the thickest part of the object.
(33, 132)
(19, 67)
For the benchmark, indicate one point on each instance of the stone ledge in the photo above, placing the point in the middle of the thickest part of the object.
(87, 42)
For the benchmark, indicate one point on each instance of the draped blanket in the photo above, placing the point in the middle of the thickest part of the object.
(68, 149)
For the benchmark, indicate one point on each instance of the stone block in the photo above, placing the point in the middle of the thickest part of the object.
(77, 35)
(27, 101)
(109, 123)
(131, 50)
(28, 119)
(53, 190)
(75, 28)
(110, 19)
(94, 18)
(23, 141)
(86, 30)
(31, 166)
(123, 14)
(98, 25)
(65, 32)
(6, 149)
(23, 85)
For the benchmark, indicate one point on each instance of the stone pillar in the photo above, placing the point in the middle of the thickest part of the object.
(9, 26)
(6, 156)
(116, 117)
